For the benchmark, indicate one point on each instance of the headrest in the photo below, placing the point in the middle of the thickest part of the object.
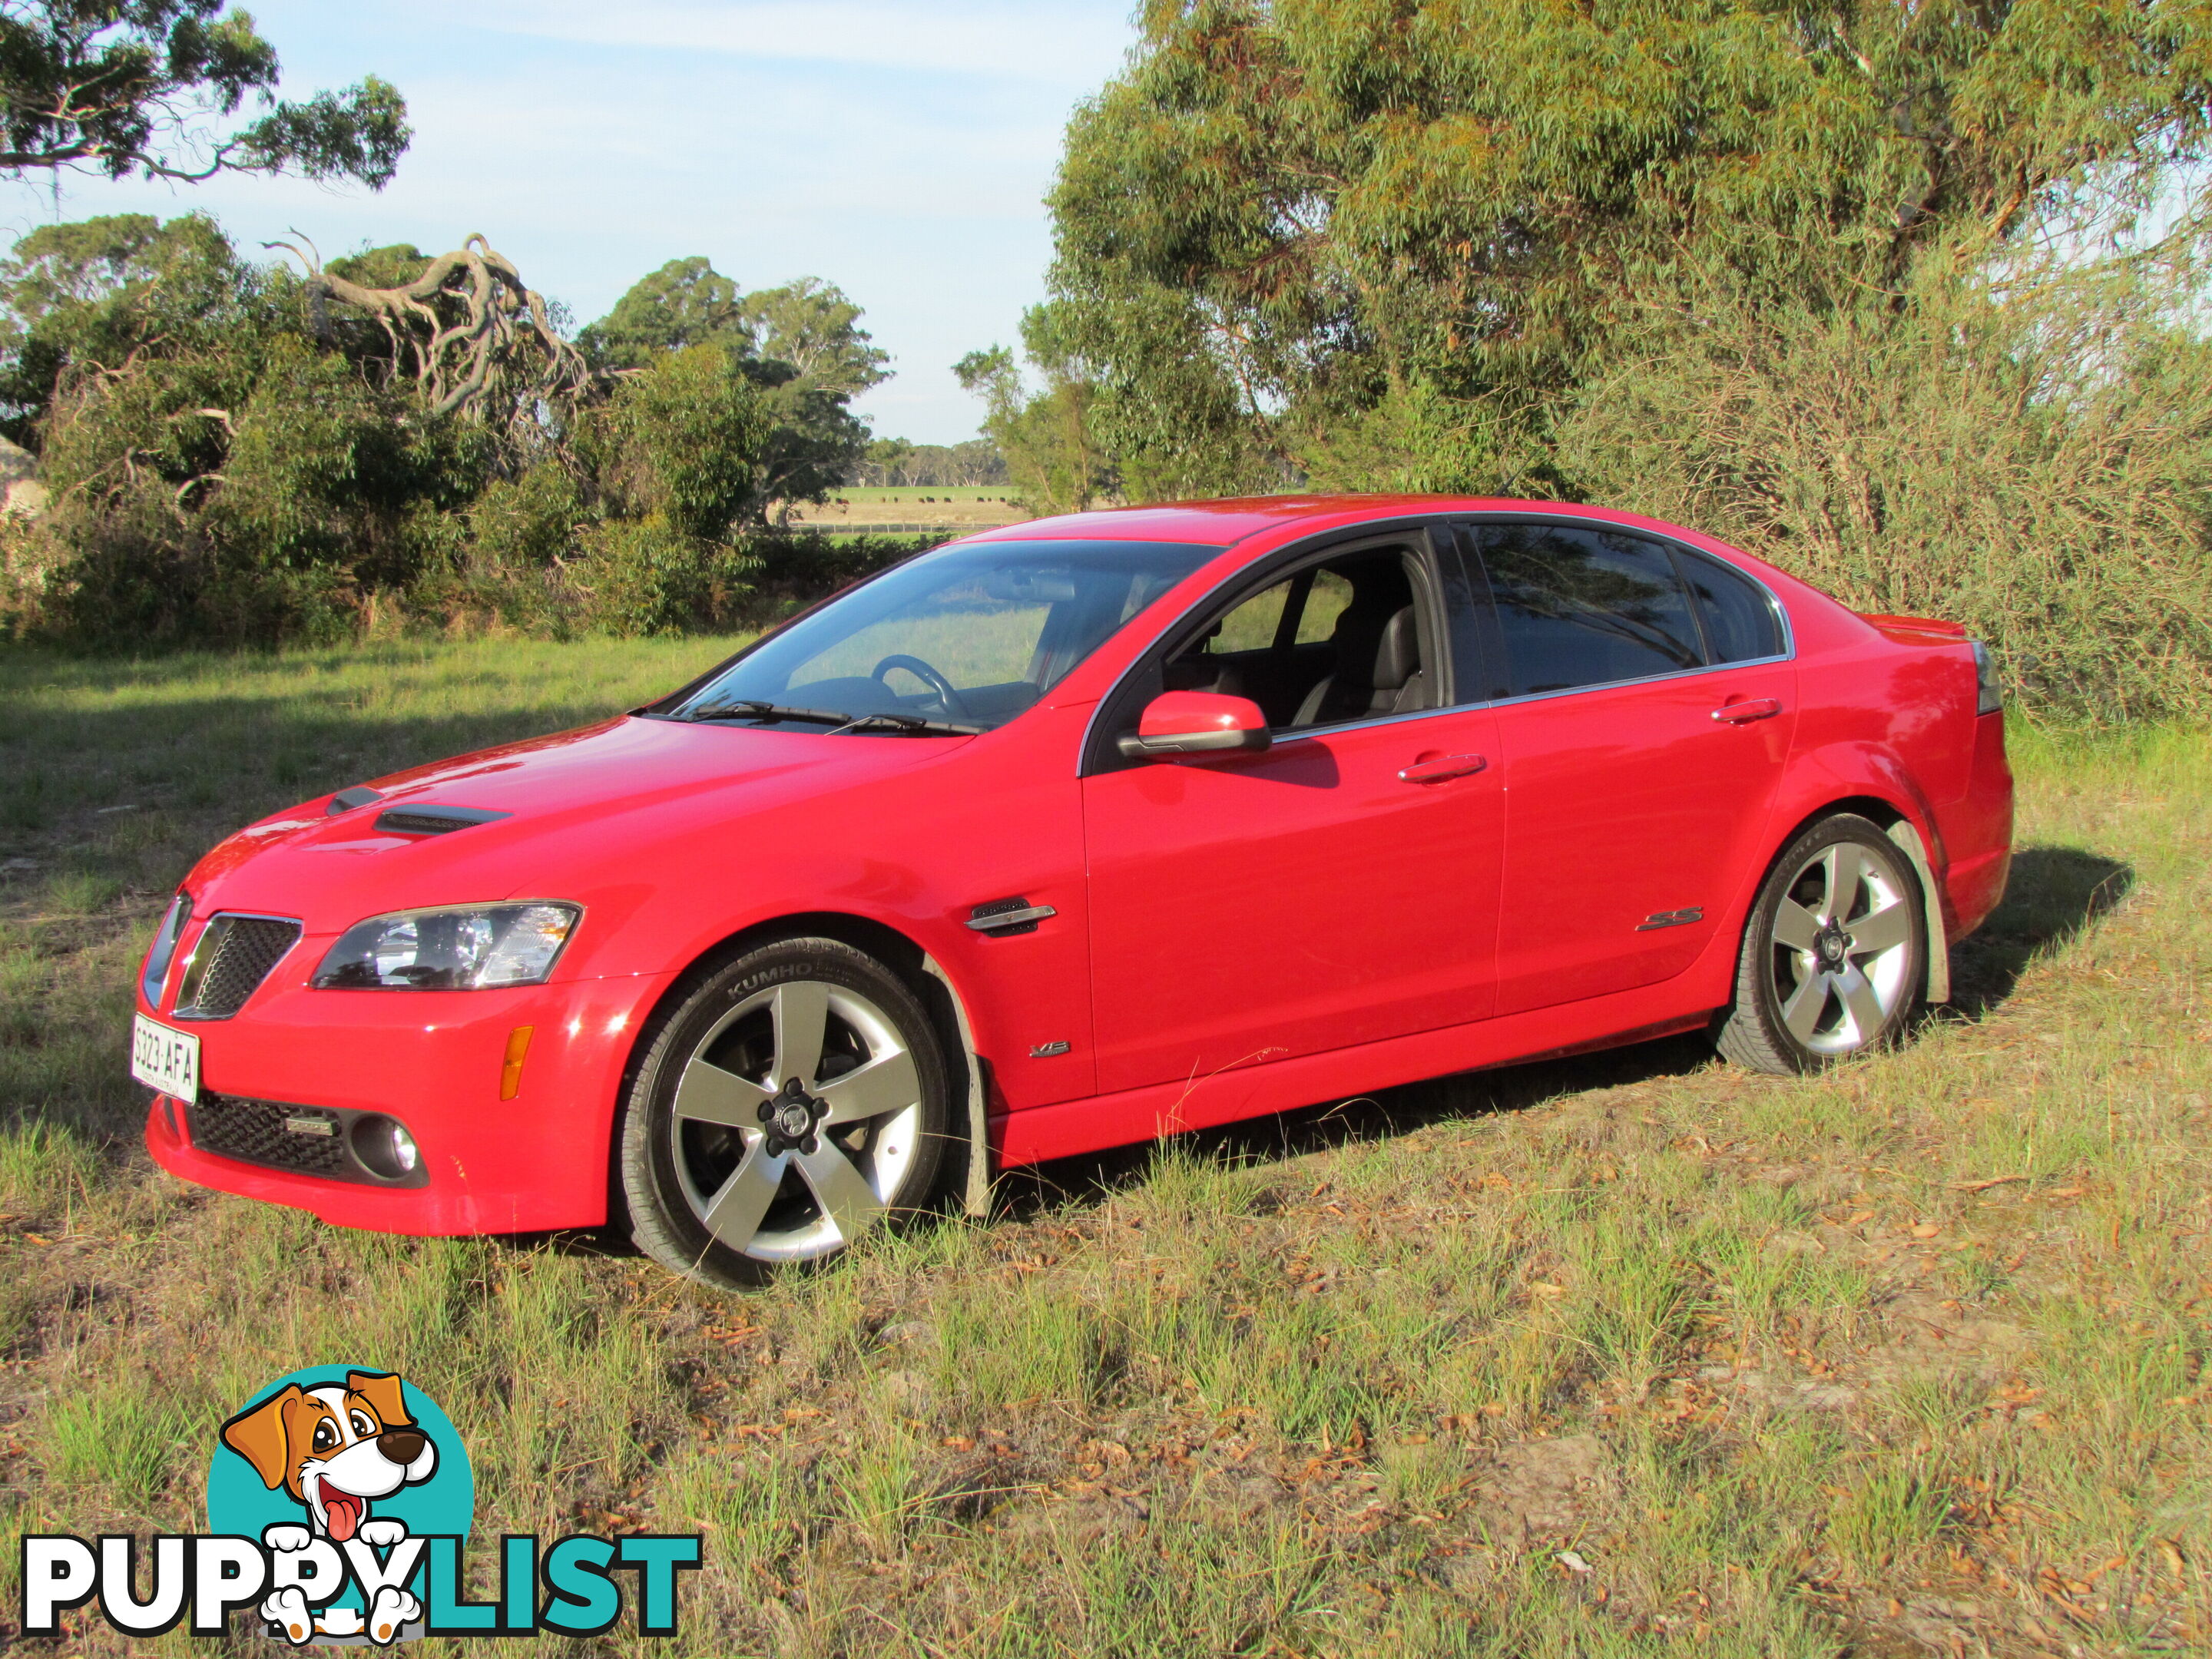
(1398, 657)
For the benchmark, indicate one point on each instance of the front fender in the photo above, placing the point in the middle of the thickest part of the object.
(914, 852)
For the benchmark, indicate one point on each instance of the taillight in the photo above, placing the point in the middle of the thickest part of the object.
(165, 948)
(1989, 696)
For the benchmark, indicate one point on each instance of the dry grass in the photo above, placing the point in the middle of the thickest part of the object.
(1633, 1354)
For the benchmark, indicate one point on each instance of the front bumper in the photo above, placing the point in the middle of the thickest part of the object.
(432, 1060)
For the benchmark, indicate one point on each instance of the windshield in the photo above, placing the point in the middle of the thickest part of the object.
(960, 639)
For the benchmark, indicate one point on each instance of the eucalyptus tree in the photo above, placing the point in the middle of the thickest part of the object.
(800, 343)
(686, 302)
(1379, 241)
(152, 87)
(1053, 457)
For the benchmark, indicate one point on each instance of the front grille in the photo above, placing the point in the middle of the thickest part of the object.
(253, 1132)
(234, 956)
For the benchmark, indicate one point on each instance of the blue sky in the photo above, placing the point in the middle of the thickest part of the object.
(899, 150)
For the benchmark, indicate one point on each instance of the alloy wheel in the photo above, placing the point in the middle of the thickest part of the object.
(1841, 949)
(796, 1122)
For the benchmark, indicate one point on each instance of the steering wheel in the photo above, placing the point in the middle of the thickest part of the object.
(947, 698)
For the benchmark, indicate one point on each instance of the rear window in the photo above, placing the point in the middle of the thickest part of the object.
(1741, 625)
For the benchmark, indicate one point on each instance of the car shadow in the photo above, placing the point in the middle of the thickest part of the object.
(1385, 1113)
(2054, 894)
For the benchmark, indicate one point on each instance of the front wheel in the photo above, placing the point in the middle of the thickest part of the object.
(1835, 952)
(795, 1100)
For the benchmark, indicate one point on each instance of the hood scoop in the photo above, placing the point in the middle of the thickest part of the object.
(434, 820)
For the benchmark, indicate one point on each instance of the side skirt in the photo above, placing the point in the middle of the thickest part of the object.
(1075, 1127)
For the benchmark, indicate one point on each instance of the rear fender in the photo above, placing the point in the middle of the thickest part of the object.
(1864, 778)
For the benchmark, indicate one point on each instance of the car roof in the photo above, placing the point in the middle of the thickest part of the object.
(1222, 523)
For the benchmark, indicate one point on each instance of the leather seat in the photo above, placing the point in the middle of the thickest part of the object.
(1378, 670)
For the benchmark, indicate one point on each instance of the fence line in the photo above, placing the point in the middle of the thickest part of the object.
(839, 527)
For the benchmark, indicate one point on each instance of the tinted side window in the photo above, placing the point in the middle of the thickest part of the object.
(1586, 607)
(1741, 625)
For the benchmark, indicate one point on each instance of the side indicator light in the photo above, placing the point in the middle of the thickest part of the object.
(510, 1071)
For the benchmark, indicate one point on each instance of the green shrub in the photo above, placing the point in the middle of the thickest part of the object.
(680, 442)
(2033, 459)
(527, 521)
(644, 576)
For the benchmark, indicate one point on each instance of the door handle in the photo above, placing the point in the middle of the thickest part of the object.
(1750, 708)
(1444, 767)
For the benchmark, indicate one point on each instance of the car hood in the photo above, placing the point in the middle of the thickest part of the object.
(620, 787)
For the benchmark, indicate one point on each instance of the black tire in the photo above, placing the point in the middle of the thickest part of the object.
(731, 1197)
(1808, 995)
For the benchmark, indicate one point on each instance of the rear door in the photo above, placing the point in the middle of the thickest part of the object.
(1646, 703)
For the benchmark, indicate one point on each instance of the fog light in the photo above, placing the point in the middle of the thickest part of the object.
(384, 1148)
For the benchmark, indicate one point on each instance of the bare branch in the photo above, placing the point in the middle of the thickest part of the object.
(177, 501)
(462, 331)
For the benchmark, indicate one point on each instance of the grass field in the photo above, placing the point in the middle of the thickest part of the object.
(946, 506)
(1634, 1354)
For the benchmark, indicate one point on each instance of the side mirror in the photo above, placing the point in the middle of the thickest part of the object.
(1196, 723)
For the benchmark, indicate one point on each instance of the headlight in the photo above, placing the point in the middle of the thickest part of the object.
(165, 948)
(1989, 694)
(470, 948)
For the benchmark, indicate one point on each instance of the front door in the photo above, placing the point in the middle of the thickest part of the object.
(1336, 889)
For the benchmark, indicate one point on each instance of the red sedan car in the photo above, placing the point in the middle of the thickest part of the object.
(1075, 833)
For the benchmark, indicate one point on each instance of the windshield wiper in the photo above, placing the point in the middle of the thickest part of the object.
(911, 724)
(753, 710)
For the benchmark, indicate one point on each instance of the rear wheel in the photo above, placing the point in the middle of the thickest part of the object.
(796, 1099)
(1835, 952)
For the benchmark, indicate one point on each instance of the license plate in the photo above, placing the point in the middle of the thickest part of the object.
(165, 1059)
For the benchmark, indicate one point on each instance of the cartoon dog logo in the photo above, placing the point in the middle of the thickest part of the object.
(336, 1450)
